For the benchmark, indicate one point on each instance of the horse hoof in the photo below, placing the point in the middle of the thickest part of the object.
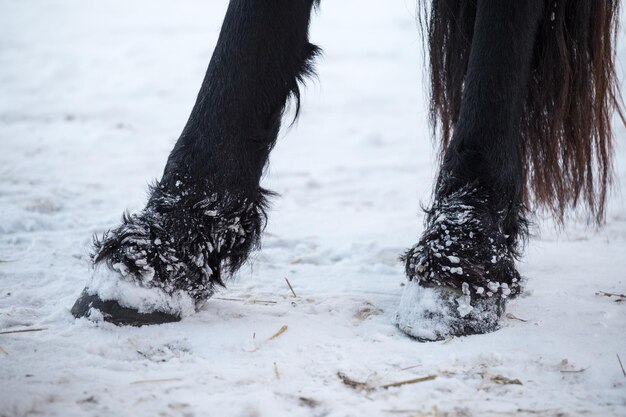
(92, 306)
(431, 313)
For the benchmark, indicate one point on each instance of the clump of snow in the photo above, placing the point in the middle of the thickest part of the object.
(110, 285)
(464, 301)
(451, 258)
(465, 306)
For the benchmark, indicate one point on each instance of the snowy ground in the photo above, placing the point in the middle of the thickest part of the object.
(93, 95)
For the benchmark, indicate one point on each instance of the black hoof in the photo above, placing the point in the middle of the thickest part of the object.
(113, 312)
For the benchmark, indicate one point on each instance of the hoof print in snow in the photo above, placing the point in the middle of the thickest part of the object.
(90, 305)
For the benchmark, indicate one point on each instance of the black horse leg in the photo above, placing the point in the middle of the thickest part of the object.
(206, 214)
(465, 258)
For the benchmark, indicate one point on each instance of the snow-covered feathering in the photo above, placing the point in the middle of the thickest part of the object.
(463, 247)
(185, 239)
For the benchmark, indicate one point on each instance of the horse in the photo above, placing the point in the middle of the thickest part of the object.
(521, 99)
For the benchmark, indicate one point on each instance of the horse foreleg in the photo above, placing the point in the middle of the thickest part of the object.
(207, 212)
(462, 270)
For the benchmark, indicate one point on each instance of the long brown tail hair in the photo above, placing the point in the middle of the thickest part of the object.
(573, 91)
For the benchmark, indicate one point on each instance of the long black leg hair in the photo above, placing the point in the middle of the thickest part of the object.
(571, 95)
(522, 93)
(477, 220)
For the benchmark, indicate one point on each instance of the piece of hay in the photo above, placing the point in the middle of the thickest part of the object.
(512, 317)
(156, 381)
(502, 380)
(275, 336)
(410, 367)
(364, 386)
(24, 330)
(279, 332)
(357, 385)
(246, 300)
(276, 373)
(573, 371)
(291, 288)
(309, 402)
(611, 294)
(178, 406)
(409, 381)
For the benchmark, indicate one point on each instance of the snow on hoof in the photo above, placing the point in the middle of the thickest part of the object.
(92, 307)
(108, 297)
(431, 313)
(462, 270)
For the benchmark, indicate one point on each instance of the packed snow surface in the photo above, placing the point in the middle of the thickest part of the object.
(93, 97)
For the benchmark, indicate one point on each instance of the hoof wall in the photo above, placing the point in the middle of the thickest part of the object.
(429, 314)
(113, 312)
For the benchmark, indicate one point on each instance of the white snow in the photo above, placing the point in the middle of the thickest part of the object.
(453, 259)
(418, 304)
(108, 286)
(93, 97)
